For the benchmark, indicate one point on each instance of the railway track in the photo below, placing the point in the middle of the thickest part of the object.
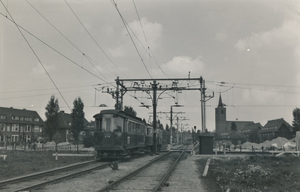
(33, 181)
(38, 180)
(150, 177)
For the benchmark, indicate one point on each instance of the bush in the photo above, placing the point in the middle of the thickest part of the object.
(88, 141)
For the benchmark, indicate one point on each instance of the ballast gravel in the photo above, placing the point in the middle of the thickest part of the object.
(185, 177)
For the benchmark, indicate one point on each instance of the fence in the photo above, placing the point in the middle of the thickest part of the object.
(42, 147)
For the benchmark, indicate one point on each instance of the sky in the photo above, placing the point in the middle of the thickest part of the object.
(246, 51)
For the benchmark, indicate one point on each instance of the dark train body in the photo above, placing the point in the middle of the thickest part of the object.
(119, 134)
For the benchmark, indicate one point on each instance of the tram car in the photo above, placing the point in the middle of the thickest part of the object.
(119, 134)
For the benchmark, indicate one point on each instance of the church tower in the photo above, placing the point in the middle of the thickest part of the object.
(220, 114)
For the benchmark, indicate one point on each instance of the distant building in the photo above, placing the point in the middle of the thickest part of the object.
(251, 130)
(247, 129)
(64, 127)
(276, 128)
(18, 125)
(223, 127)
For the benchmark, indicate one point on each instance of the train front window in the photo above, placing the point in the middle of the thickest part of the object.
(106, 124)
(118, 124)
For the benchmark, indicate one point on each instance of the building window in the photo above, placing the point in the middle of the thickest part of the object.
(2, 117)
(8, 127)
(2, 127)
(28, 119)
(14, 138)
(27, 128)
(36, 119)
(28, 138)
(36, 128)
(15, 128)
(15, 117)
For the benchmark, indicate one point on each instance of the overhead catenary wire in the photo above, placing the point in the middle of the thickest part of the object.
(26, 96)
(146, 50)
(36, 56)
(148, 46)
(259, 87)
(46, 89)
(53, 48)
(92, 37)
(123, 20)
(140, 23)
(64, 36)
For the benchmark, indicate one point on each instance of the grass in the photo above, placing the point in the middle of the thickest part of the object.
(253, 174)
(20, 163)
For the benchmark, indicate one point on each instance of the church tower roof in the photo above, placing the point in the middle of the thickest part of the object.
(220, 102)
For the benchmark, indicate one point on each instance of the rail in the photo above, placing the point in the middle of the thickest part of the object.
(30, 176)
(110, 186)
(169, 172)
(62, 178)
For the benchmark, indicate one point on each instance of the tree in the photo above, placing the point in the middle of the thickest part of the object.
(77, 116)
(233, 126)
(51, 123)
(167, 127)
(130, 110)
(160, 126)
(296, 120)
(254, 136)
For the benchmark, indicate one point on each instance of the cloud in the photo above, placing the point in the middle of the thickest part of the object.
(152, 32)
(181, 65)
(278, 48)
(287, 35)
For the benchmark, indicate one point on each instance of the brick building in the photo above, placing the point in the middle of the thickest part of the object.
(18, 125)
(276, 128)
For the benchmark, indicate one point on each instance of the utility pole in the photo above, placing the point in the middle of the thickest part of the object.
(201, 99)
(154, 87)
(203, 103)
(171, 124)
(177, 134)
(177, 139)
(171, 120)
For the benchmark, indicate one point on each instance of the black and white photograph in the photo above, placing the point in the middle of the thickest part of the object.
(150, 95)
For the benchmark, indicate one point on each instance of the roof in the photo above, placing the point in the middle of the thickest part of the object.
(9, 113)
(275, 124)
(239, 124)
(117, 112)
(251, 127)
(65, 120)
(220, 102)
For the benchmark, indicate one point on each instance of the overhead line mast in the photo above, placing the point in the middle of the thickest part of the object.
(154, 87)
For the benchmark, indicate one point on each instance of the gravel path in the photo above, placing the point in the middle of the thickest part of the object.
(186, 177)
